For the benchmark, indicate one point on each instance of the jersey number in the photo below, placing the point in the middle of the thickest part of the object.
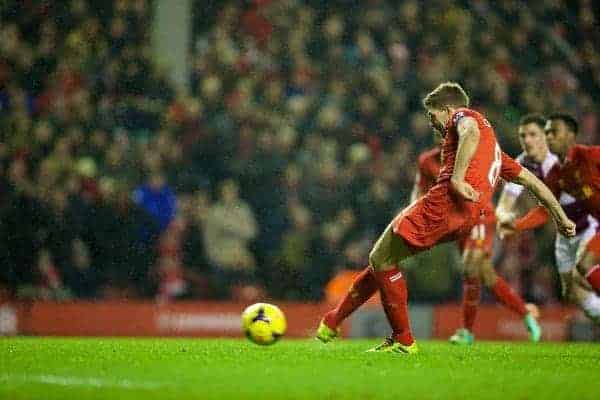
(496, 166)
(478, 232)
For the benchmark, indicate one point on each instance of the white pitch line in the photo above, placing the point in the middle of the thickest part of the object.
(81, 381)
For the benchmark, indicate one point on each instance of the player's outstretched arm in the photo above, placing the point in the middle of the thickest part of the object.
(545, 196)
(468, 139)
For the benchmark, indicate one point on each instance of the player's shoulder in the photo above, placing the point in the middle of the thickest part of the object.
(549, 162)
(583, 151)
(464, 112)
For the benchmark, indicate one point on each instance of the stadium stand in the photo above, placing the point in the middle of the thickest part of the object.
(303, 118)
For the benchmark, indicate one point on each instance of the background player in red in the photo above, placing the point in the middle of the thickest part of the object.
(476, 249)
(472, 163)
(576, 181)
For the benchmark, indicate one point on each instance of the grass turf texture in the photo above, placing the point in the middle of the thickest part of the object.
(41, 368)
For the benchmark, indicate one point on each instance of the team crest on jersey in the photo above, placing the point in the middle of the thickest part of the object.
(458, 116)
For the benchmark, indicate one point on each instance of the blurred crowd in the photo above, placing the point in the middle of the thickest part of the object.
(294, 144)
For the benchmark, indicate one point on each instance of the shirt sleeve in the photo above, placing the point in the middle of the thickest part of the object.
(510, 168)
(535, 218)
(590, 152)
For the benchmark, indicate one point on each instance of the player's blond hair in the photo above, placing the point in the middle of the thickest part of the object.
(447, 94)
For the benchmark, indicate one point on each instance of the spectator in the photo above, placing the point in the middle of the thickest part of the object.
(293, 276)
(47, 283)
(157, 199)
(228, 231)
(80, 276)
(305, 105)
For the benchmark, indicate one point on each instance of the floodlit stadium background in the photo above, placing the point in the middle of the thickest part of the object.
(174, 161)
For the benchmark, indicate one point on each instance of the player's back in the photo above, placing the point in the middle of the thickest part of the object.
(429, 164)
(486, 163)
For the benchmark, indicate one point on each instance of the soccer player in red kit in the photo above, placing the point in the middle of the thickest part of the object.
(476, 249)
(472, 163)
(576, 182)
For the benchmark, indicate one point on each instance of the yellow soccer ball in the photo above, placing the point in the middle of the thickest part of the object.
(263, 323)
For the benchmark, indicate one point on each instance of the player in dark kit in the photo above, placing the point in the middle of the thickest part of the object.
(575, 180)
(472, 161)
(476, 248)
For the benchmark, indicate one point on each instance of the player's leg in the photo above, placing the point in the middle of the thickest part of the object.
(589, 266)
(363, 287)
(572, 256)
(389, 250)
(579, 292)
(501, 289)
(470, 299)
(428, 221)
(508, 296)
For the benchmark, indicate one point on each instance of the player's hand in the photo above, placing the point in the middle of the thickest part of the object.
(465, 190)
(506, 229)
(566, 227)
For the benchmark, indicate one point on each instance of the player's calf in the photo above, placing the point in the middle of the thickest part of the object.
(363, 288)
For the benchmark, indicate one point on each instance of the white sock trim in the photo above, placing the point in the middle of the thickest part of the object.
(592, 270)
(394, 278)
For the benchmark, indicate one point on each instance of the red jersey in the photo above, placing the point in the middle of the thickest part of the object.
(579, 177)
(488, 162)
(576, 183)
(440, 215)
(429, 163)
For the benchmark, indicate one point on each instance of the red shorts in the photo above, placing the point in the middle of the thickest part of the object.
(437, 217)
(481, 237)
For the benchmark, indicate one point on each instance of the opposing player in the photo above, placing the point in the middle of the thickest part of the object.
(577, 184)
(536, 157)
(476, 249)
(472, 163)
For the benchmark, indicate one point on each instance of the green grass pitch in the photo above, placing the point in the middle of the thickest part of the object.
(44, 368)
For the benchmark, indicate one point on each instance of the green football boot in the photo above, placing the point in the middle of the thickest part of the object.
(325, 334)
(390, 346)
(534, 329)
(462, 337)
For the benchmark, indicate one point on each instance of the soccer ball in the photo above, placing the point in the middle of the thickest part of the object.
(263, 323)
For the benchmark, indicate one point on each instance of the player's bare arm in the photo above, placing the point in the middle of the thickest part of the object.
(545, 196)
(506, 207)
(505, 214)
(468, 139)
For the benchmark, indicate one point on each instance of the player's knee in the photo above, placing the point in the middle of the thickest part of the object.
(488, 275)
(470, 265)
(589, 260)
(375, 259)
(574, 295)
(470, 271)
(582, 268)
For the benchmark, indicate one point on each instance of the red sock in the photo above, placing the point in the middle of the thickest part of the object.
(470, 301)
(363, 287)
(394, 298)
(509, 297)
(593, 277)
